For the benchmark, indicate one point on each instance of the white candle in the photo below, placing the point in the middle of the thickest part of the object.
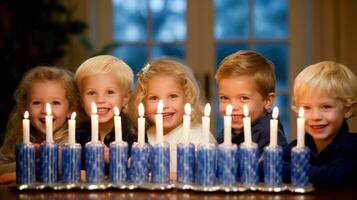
(49, 119)
(117, 125)
(159, 123)
(26, 128)
(301, 128)
(141, 125)
(186, 122)
(246, 125)
(228, 125)
(206, 123)
(94, 121)
(72, 129)
(274, 128)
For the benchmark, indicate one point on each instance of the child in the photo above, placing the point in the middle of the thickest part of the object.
(246, 77)
(106, 81)
(40, 86)
(173, 83)
(328, 93)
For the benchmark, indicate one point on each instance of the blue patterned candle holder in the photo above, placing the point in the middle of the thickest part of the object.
(139, 164)
(71, 163)
(248, 159)
(48, 162)
(25, 163)
(300, 167)
(227, 167)
(185, 163)
(160, 163)
(273, 166)
(94, 156)
(118, 162)
(206, 164)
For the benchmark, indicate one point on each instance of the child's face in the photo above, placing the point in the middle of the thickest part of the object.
(105, 91)
(240, 90)
(41, 93)
(168, 89)
(323, 115)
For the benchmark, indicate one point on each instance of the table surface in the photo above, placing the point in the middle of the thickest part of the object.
(7, 193)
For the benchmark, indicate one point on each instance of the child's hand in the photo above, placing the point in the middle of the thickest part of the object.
(173, 176)
(106, 154)
(83, 175)
(7, 177)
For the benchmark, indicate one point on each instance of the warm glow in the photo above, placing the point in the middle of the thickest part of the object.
(245, 110)
(301, 112)
(187, 109)
(228, 109)
(207, 110)
(141, 110)
(48, 109)
(160, 107)
(94, 108)
(73, 116)
(26, 114)
(275, 112)
(116, 111)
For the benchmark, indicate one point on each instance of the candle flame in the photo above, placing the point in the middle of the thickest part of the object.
(116, 111)
(229, 109)
(275, 112)
(26, 114)
(94, 108)
(301, 112)
(160, 107)
(207, 110)
(187, 109)
(73, 116)
(48, 109)
(141, 110)
(245, 110)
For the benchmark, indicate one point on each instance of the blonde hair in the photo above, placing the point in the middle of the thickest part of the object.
(105, 64)
(334, 79)
(21, 94)
(252, 64)
(172, 67)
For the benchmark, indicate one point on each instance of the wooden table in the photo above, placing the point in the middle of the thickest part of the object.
(7, 193)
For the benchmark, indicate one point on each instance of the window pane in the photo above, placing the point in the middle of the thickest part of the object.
(168, 50)
(278, 54)
(169, 20)
(223, 50)
(134, 56)
(129, 20)
(270, 18)
(282, 101)
(231, 19)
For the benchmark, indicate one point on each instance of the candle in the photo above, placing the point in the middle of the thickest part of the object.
(206, 123)
(228, 125)
(186, 122)
(94, 121)
(72, 129)
(301, 128)
(246, 124)
(49, 120)
(26, 128)
(117, 125)
(141, 125)
(274, 128)
(158, 122)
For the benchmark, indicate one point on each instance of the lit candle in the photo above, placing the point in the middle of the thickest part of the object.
(72, 129)
(206, 123)
(228, 125)
(49, 120)
(117, 125)
(26, 128)
(274, 128)
(246, 125)
(158, 122)
(141, 125)
(301, 128)
(186, 122)
(94, 120)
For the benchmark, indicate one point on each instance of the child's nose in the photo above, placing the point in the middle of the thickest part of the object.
(100, 98)
(315, 114)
